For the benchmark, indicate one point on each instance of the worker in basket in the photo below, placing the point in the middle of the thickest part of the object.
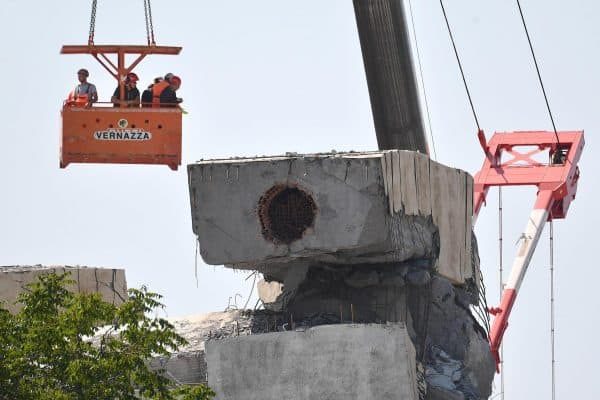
(164, 92)
(147, 94)
(85, 93)
(132, 94)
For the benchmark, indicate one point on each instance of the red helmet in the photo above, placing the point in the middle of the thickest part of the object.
(132, 77)
(176, 80)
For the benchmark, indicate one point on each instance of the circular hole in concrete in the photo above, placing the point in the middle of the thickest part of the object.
(286, 213)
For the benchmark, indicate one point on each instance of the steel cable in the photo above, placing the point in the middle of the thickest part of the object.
(462, 72)
(92, 23)
(552, 315)
(501, 281)
(149, 23)
(412, 19)
(153, 42)
(537, 69)
(146, 21)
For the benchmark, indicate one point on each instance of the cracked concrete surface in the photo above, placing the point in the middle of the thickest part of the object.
(371, 207)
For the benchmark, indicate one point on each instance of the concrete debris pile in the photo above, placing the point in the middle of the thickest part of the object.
(109, 282)
(374, 239)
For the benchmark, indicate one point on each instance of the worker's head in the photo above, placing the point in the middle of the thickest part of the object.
(156, 80)
(175, 82)
(82, 75)
(169, 76)
(131, 79)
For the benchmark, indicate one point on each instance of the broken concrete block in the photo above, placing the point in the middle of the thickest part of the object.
(335, 362)
(188, 368)
(110, 283)
(268, 292)
(341, 208)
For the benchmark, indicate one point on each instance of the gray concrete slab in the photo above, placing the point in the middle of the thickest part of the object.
(369, 207)
(109, 282)
(333, 362)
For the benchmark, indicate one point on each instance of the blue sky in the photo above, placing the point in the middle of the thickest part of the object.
(273, 76)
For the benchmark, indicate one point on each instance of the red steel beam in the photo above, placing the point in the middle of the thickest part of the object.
(560, 178)
(115, 49)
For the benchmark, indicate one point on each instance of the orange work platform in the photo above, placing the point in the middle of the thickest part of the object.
(120, 135)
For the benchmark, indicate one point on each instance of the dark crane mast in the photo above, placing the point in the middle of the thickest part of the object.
(385, 44)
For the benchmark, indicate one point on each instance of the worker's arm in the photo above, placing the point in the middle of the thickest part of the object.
(93, 94)
(115, 97)
(115, 100)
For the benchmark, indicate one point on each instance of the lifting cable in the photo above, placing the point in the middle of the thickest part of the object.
(539, 75)
(92, 23)
(500, 238)
(501, 281)
(147, 15)
(537, 69)
(149, 24)
(552, 309)
(462, 72)
(412, 19)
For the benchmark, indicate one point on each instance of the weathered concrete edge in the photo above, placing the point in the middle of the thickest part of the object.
(110, 283)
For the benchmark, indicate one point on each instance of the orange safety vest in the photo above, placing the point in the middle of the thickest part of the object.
(77, 101)
(157, 89)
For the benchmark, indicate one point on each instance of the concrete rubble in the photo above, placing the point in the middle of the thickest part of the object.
(109, 282)
(372, 238)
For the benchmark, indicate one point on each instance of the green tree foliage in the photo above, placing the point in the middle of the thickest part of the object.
(46, 352)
